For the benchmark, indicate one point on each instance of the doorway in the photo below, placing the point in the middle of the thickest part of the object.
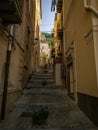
(70, 81)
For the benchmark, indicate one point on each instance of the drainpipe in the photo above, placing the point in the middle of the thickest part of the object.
(7, 65)
(91, 8)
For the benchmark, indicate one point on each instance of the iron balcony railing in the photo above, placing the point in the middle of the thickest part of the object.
(60, 34)
(59, 6)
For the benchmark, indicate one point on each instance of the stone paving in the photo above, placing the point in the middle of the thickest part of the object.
(63, 112)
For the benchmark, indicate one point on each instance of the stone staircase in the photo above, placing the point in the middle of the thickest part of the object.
(38, 78)
(63, 112)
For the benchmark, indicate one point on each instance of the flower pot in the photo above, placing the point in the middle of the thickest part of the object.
(44, 83)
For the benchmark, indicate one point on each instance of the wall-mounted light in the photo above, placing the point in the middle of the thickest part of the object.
(71, 46)
(10, 41)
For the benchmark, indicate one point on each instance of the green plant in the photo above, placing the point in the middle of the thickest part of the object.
(44, 83)
(60, 54)
(40, 116)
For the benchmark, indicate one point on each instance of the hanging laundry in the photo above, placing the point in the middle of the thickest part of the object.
(53, 5)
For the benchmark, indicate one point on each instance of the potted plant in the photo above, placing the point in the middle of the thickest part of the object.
(40, 116)
(60, 54)
(44, 82)
(58, 60)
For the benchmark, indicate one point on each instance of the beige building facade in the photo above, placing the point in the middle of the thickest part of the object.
(37, 34)
(17, 34)
(57, 44)
(80, 25)
(57, 34)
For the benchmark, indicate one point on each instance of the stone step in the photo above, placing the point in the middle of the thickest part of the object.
(40, 80)
(39, 86)
(36, 81)
(34, 106)
(46, 129)
(43, 92)
(41, 77)
(43, 98)
(42, 70)
(43, 74)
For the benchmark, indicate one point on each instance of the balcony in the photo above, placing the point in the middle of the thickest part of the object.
(59, 6)
(60, 34)
(52, 34)
(11, 11)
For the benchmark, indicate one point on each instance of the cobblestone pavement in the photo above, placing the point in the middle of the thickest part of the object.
(63, 112)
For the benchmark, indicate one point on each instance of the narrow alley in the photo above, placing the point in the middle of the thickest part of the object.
(63, 112)
(49, 64)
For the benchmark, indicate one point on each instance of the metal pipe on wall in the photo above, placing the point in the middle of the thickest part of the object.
(7, 65)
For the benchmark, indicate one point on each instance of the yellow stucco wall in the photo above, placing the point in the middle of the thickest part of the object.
(77, 25)
(57, 25)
